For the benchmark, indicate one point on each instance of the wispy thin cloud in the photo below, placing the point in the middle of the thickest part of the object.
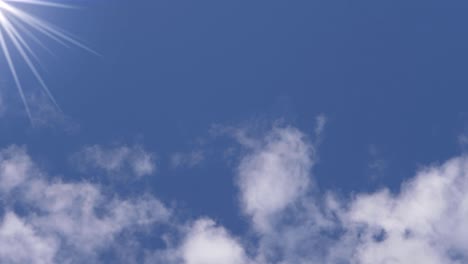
(187, 160)
(116, 160)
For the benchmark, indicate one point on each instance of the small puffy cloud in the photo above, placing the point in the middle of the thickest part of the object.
(207, 243)
(117, 159)
(15, 167)
(274, 174)
(201, 242)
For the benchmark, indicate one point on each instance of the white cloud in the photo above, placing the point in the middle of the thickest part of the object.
(207, 243)
(274, 174)
(201, 242)
(424, 223)
(64, 222)
(117, 159)
(20, 243)
(291, 220)
(15, 167)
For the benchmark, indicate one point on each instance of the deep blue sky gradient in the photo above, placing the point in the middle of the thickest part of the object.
(388, 75)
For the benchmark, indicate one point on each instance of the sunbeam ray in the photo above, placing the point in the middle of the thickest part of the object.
(13, 70)
(17, 27)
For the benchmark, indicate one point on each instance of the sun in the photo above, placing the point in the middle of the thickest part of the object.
(19, 27)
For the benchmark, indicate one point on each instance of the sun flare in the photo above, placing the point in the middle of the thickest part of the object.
(17, 28)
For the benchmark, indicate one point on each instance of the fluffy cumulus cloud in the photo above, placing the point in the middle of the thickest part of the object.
(207, 243)
(46, 220)
(290, 219)
(20, 243)
(424, 223)
(280, 164)
(202, 241)
(117, 159)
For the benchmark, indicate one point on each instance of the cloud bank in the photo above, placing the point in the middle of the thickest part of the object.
(290, 220)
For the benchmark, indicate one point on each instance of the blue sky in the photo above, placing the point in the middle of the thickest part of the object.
(244, 132)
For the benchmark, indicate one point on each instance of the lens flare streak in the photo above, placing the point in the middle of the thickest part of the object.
(17, 27)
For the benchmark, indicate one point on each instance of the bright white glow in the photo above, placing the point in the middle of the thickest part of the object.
(17, 27)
